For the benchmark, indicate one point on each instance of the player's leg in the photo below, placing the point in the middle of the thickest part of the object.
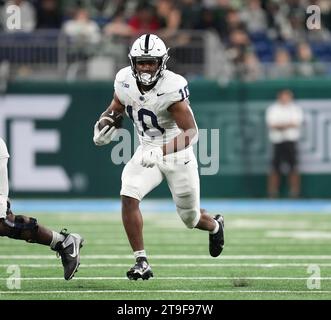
(294, 177)
(294, 182)
(137, 181)
(21, 227)
(68, 245)
(184, 183)
(133, 222)
(274, 176)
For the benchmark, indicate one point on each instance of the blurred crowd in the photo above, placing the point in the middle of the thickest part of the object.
(253, 32)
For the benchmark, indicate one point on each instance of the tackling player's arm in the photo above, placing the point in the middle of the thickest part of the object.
(184, 118)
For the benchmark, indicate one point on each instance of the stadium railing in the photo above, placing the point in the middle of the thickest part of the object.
(50, 54)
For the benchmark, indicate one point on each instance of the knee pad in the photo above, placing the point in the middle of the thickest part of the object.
(188, 208)
(190, 216)
(22, 226)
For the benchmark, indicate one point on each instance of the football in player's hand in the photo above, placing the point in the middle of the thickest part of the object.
(110, 119)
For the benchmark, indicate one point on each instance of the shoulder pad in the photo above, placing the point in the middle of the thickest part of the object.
(173, 82)
(122, 75)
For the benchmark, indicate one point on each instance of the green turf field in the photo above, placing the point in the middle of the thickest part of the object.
(265, 257)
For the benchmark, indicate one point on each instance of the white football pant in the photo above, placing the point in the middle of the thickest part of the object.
(4, 189)
(180, 169)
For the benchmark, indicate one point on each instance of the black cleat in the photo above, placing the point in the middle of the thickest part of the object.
(69, 251)
(216, 241)
(140, 270)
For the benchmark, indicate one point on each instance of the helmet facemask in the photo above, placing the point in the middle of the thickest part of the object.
(146, 78)
(148, 48)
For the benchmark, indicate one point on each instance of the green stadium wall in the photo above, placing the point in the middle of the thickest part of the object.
(237, 110)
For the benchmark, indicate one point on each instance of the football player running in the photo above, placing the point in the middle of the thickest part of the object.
(156, 100)
(20, 227)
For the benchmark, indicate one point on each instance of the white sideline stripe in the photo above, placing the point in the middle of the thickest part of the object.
(172, 265)
(165, 256)
(165, 291)
(174, 278)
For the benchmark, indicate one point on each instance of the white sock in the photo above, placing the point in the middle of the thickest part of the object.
(216, 228)
(57, 237)
(139, 254)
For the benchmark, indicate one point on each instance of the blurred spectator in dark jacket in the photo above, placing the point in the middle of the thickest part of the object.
(220, 11)
(169, 18)
(325, 6)
(232, 22)
(191, 13)
(144, 20)
(49, 15)
(239, 44)
(118, 26)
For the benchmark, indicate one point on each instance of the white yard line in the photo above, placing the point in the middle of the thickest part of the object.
(168, 278)
(172, 265)
(165, 291)
(179, 256)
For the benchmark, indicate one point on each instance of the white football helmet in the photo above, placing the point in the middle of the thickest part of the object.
(148, 46)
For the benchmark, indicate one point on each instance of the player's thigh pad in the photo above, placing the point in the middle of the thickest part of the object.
(138, 181)
(184, 183)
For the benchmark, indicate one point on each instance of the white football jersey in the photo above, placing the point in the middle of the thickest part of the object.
(148, 111)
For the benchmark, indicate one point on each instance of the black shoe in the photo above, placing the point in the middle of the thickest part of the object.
(69, 251)
(216, 241)
(140, 270)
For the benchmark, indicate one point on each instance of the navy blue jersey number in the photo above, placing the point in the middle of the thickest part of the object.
(145, 113)
(184, 93)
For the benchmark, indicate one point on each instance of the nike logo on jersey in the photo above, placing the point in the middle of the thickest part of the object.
(160, 94)
(186, 162)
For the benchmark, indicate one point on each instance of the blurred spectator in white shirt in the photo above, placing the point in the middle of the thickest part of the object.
(82, 30)
(306, 64)
(251, 68)
(254, 17)
(284, 119)
(282, 67)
